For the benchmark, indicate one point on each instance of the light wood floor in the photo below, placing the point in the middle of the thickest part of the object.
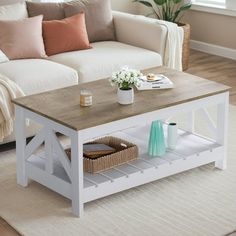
(6, 229)
(211, 67)
(214, 68)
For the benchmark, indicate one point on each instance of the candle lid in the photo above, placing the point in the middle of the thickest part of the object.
(85, 92)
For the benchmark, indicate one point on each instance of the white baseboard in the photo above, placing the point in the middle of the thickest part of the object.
(213, 49)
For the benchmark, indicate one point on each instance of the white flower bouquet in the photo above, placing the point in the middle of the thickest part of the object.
(126, 78)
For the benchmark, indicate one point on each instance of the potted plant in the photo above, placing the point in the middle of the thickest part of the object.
(172, 10)
(125, 79)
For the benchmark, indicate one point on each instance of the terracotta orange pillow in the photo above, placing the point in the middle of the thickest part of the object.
(65, 35)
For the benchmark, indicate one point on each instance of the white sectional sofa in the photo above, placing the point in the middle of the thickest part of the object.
(140, 44)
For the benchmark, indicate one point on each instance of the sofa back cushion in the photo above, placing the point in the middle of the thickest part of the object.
(15, 11)
(65, 35)
(98, 17)
(49, 10)
(22, 38)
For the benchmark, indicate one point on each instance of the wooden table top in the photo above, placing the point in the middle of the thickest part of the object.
(63, 105)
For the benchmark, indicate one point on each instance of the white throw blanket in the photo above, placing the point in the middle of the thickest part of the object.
(172, 57)
(174, 45)
(8, 90)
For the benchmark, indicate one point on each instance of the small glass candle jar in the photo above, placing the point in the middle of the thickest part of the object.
(86, 98)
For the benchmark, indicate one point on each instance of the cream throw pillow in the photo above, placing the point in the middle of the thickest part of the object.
(23, 38)
(15, 11)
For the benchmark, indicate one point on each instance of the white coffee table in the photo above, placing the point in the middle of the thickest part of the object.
(59, 111)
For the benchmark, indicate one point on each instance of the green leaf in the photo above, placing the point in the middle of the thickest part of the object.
(185, 7)
(160, 2)
(176, 15)
(125, 86)
(145, 3)
(168, 10)
(182, 8)
(176, 1)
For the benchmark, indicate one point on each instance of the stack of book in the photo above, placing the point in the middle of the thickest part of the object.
(157, 81)
(94, 150)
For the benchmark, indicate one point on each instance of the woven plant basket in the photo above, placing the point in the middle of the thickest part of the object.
(186, 44)
(121, 156)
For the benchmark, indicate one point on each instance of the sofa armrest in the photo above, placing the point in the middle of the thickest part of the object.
(140, 31)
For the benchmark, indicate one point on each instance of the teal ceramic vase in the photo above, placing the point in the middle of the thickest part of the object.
(156, 145)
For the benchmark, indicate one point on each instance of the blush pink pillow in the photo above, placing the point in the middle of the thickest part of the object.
(65, 35)
(23, 38)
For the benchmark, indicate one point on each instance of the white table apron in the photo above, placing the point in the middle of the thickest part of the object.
(82, 187)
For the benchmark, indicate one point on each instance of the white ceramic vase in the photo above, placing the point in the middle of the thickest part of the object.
(125, 97)
(172, 135)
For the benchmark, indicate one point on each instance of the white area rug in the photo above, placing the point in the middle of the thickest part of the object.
(200, 202)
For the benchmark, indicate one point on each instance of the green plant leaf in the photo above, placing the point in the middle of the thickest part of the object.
(182, 8)
(145, 3)
(168, 10)
(177, 1)
(185, 7)
(176, 15)
(160, 2)
(125, 85)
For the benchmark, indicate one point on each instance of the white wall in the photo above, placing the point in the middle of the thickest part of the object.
(5, 2)
(124, 5)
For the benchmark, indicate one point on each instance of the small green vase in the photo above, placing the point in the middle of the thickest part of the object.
(156, 145)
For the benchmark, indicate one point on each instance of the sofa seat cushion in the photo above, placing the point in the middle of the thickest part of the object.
(106, 57)
(38, 75)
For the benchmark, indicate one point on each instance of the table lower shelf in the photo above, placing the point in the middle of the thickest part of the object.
(192, 151)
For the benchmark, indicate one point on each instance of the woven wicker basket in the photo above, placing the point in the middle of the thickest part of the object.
(186, 42)
(121, 156)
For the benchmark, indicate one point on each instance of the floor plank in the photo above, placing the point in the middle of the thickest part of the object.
(214, 68)
(6, 229)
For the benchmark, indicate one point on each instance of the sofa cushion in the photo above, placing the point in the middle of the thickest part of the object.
(37, 75)
(49, 10)
(98, 16)
(106, 57)
(65, 35)
(22, 38)
(15, 11)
